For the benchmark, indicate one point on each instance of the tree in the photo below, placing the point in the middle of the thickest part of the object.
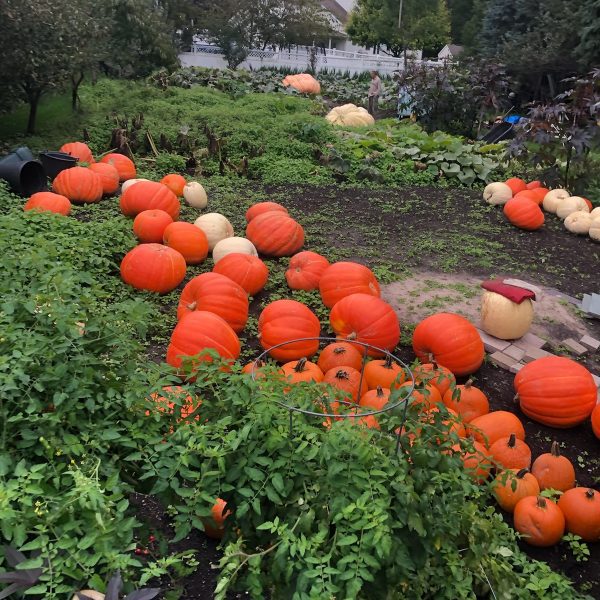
(588, 50)
(424, 24)
(460, 14)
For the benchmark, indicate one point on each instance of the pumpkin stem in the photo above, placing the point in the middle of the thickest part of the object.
(590, 494)
(192, 305)
(388, 362)
(541, 502)
(300, 366)
(468, 384)
(522, 473)
(379, 391)
(516, 398)
(351, 336)
(339, 350)
(555, 450)
(341, 374)
(512, 440)
(432, 360)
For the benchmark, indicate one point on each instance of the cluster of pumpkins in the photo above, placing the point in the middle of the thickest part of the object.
(523, 202)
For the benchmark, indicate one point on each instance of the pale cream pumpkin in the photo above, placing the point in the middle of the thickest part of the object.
(93, 594)
(595, 214)
(553, 198)
(232, 245)
(570, 205)
(504, 318)
(195, 195)
(131, 182)
(215, 226)
(579, 222)
(350, 115)
(594, 231)
(497, 193)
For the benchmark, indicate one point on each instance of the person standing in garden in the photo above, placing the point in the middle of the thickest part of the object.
(374, 92)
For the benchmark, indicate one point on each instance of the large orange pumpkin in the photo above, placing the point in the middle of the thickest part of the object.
(595, 417)
(286, 320)
(477, 462)
(146, 195)
(344, 278)
(554, 471)
(122, 163)
(149, 225)
(556, 391)
(539, 521)
(79, 150)
(495, 425)
(468, 401)
(305, 270)
(78, 184)
(187, 239)
(274, 233)
(108, 175)
(581, 507)
(200, 331)
(516, 185)
(247, 271)
(512, 485)
(452, 340)
(262, 207)
(153, 267)
(211, 292)
(175, 183)
(440, 377)
(48, 201)
(303, 82)
(366, 319)
(524, 213)
(385, 373)
(297, 371)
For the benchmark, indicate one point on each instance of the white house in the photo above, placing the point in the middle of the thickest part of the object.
(450, 52)
(339, 10)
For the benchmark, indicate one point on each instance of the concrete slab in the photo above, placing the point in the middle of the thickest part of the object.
(590, 342)
(533, 340)
(502, 360)
(574, 346)
(516, 367)
(514, 352)
(491, 343)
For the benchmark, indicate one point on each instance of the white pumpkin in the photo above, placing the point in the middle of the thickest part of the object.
(91, 594)
(215, 226)
(497, 193)
(594, 231)
(553, 198)
(350, 115)
(195, 195)
(579, 222)
(230, 245)
(570, 205)
(130, 182)
(504, 318)
(595, 214)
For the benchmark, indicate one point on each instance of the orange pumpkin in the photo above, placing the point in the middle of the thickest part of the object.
(452, 340)
(341, 354)
(122, 163)
(348, 380)
(512, 485)
(554, 471)
(595, 418)
(147, 195)
(166, 404)
(217, 294)
(274, 233)
(342, 279)
(305, 270)
(153, 267)
(79, 150)
(109, 176)
(534, 185)
(511, 453)
(302, 370)
(255, 368)
(249, 272)
(495, 425)
(440, 377)
(524, 213)
(589, 204)
(516, 185)
(426, 395)
(468, 401)
(476, 462)
(149, 225)
(215, 526)
(48, 201)
(262, 207)
(556, 391)
(78, 184)
(581, 507)
(451, 425)
(175, 183)
(373, 400)
(385, 373)
(527, 195)
(303, 82)
(539, 521)
(187, 239)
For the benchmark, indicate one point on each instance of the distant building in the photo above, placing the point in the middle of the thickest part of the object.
(450, 52)
(338, 12)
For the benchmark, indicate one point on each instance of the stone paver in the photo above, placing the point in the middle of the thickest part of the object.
(574, 346)
(533, 340)
(514, 352)
(531, 352)
(502, 360)
(491, 343)
(516, 367)
(590, 342)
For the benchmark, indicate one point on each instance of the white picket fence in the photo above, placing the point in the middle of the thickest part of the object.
(204, 55)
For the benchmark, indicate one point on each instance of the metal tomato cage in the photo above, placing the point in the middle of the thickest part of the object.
(357, 411)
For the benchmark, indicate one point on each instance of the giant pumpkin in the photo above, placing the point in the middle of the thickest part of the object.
(350, 115)
(524, 213)
(146, 195)
(153, 267)
(248, 271)
(108, 175)
(78, 184)
(303, 82)
(344, 278)
(274, 233)
(305, 270)
(122, 163)
(556, 391)
(262, 207)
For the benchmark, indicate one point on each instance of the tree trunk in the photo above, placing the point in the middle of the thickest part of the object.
(33, 98)
(75, 83)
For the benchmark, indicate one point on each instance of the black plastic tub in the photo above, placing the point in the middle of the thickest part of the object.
(55, 162)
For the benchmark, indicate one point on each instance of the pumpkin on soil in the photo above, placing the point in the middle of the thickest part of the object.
(286, 320)
(232, 245)
(516, 185)
(452, 340)
(371, 401)
(524, 213)
(581, 507)
(305, 271)
(476, 462)
(216, 228)
(594, 231)
(350, 115)
(148, 195)
(262, 207)
(534, 185)
(553, 199)
(214, 527)
(153, 267)
(513, 485)
(528, 195)
(556, 391)
(149, 225)
(468, 401)
(78, 184)
(188, 240)
(211, 292)
(122, 163)
(386, 373)
(495, 425)
(554, 471)
(539, 194)
(342, 279)
(303, 82)
(194, 195)
(109, 177)
(175, 183)
(579, 222)
(497, 193)
(248, 271)
(48, 201)
(275, 233)
(341, 354)
(511, 453)
(366, 319)
(539, 521)
(296, 371)
(426, 395)
(79, 150)
(440, 377)
(595, 418)
(200, 331)
(348, 380)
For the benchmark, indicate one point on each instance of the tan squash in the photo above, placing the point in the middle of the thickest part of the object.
(215, 226)
(350, 115)
(595, 214)
(93, 594)
(504, 318)
(497, 193)
(579, 222)
(553, 198)
(230, 245)
(570, 205)
(195, 195)
(131, 182)
(594, 231)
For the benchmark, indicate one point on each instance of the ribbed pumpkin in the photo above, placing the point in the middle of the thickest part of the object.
(122, 163)
(348, 380)
(297, 371)
(539, 194)
(468, 401)
(303, 82)
(386, 373)
(305, 270)
(495, 425)
(595, 418)
(175, 183)
(200, 331)
(153, 267)
(511, 453)
(146, 195)
(341, 354)
(534, 185)
(286, 320)
(513, 485)
(524, 213)
(108, 175)
(211, 292)
(556, 391)
(232, 245)
(528, 195)
(516, 185)
(426, 395)
(49, 201)
(149, 225)
(249, 272)
(440, 377)
(276, 234)
(452, 340)
(262, 207)
(216, 227)
(554, 471)
(581, 507)
(342, 279)
(539, 521)
(187, 239)
(79, 150)
(375, 399)
(78, 184)
(366, 319)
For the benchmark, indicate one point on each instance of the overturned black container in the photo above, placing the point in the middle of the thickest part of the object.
(24, 174)
(55, 162)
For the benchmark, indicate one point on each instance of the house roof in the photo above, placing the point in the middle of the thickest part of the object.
(455, 49)
(338, 11)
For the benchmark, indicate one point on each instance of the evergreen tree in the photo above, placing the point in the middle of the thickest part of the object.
(588, 50)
